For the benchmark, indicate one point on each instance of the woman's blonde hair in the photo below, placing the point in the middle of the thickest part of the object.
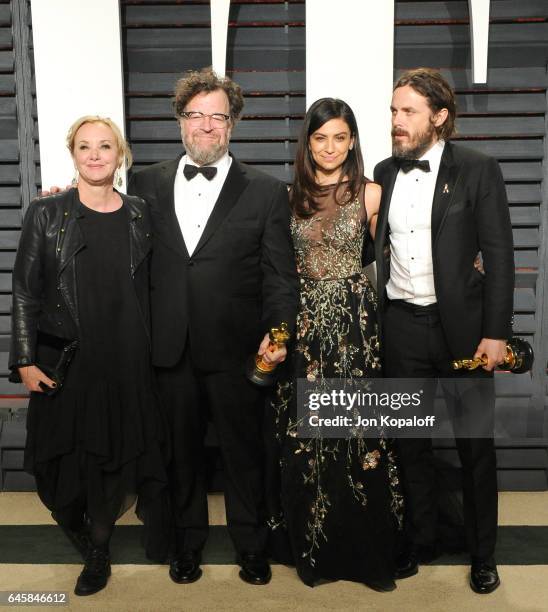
(124, 152)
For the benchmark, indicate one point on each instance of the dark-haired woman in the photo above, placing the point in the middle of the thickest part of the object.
(340, 501)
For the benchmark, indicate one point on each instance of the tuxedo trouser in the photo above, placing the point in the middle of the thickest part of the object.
(236, 407)
(415, 347)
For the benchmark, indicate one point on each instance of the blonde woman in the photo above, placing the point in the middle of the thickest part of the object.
(80, 344)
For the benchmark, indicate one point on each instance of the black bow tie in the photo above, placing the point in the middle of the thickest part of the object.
(408, 164)
(191, 171)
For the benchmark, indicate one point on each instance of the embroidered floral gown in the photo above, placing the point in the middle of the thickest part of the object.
(340, 501)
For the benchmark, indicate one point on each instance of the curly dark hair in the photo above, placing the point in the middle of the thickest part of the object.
(430, 84)
(206, 80)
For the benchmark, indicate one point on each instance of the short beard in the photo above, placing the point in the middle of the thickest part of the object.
(204, 157)
(424, 140)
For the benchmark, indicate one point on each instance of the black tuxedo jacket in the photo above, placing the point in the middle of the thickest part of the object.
(469, 214)
(241, 279)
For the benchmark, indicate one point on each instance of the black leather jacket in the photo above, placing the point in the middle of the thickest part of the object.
(44, 277)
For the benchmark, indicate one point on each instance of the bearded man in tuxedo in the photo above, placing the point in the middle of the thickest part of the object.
(442, 204)
(222, 275)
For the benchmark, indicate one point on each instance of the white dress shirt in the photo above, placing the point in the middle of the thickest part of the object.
(410, 217)
(195, 198)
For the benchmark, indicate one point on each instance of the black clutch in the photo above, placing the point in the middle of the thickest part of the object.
(53, 357)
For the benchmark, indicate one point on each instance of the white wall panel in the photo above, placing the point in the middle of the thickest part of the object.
(219, 30)
(78, 66)
(479, 30)
(350, 55)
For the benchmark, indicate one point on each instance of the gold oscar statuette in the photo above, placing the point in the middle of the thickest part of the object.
(259, 371)
(518, 359)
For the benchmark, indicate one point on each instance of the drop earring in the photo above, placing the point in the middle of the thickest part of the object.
(75, 178)
(118, 181)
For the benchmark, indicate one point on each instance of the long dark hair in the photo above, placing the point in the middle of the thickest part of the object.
(305, 191)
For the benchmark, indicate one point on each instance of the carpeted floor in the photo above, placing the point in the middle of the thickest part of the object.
(35, 556)
(516, 545)
(135, 588)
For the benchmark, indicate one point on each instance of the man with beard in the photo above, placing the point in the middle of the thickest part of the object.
(442, 204)
(222, 275)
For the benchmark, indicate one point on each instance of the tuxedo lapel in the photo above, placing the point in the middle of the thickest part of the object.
(236, 181)
(446, 183)
(387, 179)
(387, 190)
(170, 227)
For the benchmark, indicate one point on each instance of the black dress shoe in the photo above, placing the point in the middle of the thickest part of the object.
(407, 565)
(185, 568)
(382, 586)
(484, 577)
(255, 569)
(95, 574)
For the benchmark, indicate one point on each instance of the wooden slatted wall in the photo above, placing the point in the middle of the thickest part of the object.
(506, 119)
(266, 55)
(10, 201)
(16, 189)
(17, 168)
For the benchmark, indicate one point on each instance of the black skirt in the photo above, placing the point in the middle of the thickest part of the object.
(102, 437)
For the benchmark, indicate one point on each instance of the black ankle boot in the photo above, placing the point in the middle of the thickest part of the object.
(95, 574)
